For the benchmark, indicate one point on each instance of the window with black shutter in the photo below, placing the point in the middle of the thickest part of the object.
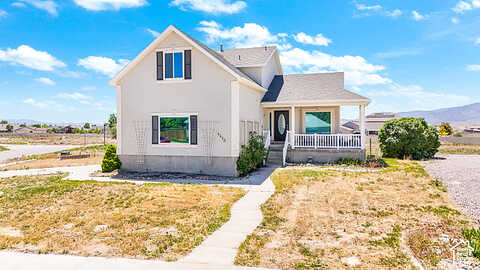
(159, 66)
(188, 64)
(154, 129)
(193, 129)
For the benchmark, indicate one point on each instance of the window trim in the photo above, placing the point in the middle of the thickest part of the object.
(174, 144)
(173, 51)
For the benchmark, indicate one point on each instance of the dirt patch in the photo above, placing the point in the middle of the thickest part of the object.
(47, 214)
(339, 219)
(56, 139)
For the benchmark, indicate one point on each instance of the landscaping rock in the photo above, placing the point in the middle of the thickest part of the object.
(165, 231)
(69, 226)
(100, 228)
(351, 261)
(11, 232)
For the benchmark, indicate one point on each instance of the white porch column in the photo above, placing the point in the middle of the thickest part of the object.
(362, 124)
(292, 127)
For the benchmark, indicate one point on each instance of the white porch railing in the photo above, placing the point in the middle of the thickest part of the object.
(321, 141)
(326, 141)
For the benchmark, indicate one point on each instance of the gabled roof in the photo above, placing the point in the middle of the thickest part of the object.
(249, 57)
(323, 87)
(217, 58)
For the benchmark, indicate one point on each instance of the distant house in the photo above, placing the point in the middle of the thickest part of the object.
(373, 123)
(472, 129)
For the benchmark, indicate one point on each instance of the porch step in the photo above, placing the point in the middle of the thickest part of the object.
(276, 147)
(275, 155)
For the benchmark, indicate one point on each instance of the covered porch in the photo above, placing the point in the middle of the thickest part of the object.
(311, 132)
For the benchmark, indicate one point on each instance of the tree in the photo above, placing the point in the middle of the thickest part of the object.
(86, 126)
(408, 138)
(445, 129)
(96, 130)
(4, 122)
(36, 125)
(112, 124)
(23, 125)
(9, 128)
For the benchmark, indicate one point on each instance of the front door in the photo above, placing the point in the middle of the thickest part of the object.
(281, 125)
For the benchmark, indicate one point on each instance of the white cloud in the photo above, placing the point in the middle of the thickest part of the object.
(74, 96)
(394, 14)
(211, 6)
(37, 104)
(98, 5)
(46, 5)
(153, 32)
(45, 80)
(417, 16)
(477, 41)
(365, 7)
(473, 68)
(18, 4)
(103, 65)
(248, 35)
(3, 13)
(357, 70)
(462, 6)
(319, 39)
(29, 57)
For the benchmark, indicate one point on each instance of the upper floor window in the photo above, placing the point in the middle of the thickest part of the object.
(174, 65)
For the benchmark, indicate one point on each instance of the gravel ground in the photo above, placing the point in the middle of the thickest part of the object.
(460, 174)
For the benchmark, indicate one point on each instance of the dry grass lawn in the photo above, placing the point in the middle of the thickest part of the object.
(317, 219)
(464, 149)
(52, 159)
(66, 139)
(46, 214)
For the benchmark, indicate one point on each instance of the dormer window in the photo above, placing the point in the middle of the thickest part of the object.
(174, 65)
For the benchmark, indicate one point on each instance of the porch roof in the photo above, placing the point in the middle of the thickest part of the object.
(319, 88)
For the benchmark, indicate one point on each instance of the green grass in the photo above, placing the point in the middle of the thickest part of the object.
(3, 148)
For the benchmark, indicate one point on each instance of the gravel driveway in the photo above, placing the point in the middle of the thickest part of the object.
(20, 150)
(461, 176)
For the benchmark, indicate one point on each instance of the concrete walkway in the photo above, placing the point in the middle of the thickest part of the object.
(20, 150)
(218, 251)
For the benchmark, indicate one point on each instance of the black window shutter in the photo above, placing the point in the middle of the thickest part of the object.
(155, 129)
(188, 64)
(193, 129)
(159, 66)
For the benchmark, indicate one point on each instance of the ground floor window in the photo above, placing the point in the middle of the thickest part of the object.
(174, 130)
(318, 122)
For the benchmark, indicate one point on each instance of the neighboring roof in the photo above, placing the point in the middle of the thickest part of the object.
(382, 115)
(249, 56)
(310, 87)
(207, 51)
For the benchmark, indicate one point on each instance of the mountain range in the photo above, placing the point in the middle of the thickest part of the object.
(456, 116)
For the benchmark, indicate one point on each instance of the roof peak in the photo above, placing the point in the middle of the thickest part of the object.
(248, 48)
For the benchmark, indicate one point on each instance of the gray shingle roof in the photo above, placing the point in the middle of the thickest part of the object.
(248, 56)
(220, 58)
(309, 87)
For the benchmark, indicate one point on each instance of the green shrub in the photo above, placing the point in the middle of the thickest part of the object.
(408, 138)
(473, 237)
(252, 155)
(457, 134)
(111, 161)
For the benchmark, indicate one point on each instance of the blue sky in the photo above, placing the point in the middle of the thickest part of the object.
(56, 57)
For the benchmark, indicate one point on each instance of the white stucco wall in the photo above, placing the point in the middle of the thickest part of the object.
(207, 94)
(269, 71)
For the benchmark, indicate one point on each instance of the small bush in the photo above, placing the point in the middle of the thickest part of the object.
(252, 155)
(111, 161)
(457, 134)
(408, 138)
(473, 237)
